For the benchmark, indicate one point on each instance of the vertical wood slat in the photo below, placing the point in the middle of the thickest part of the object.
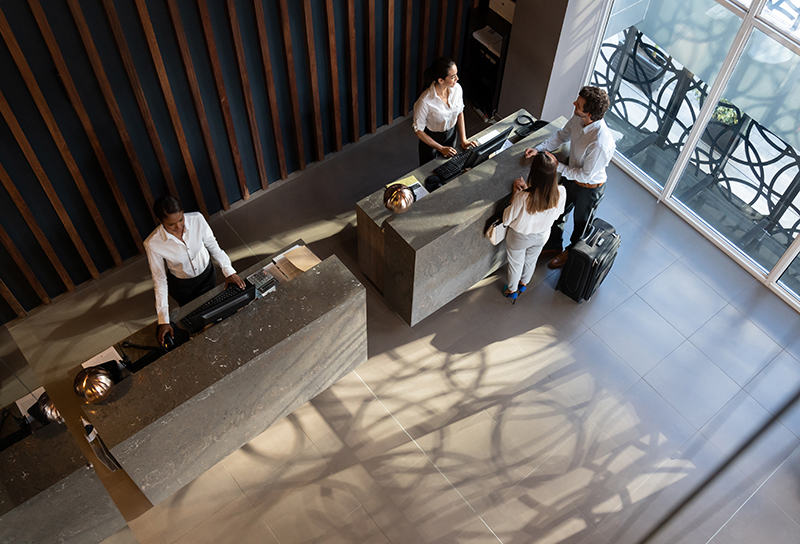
(172, 107)
(424, 31)
(286, 32)
(272, 97)
(29, 218)
(406, 70)
(389, 62)
(12, 301)
(216, 70)
(23, 266)
(353, 69)
(442, 28)
(372, 75)
(248, 93)
(80, 109)
(197, 98)
(333, 62)
(458, 18)
(33, 161)
(138, 93)
(312, 74)
(58, 137)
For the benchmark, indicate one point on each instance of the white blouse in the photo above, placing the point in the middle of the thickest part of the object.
(187, 258)
(431, 112)
(516, 216)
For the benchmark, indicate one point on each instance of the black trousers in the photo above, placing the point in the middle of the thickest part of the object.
(583, 200)
(447, 138)
(186, 290)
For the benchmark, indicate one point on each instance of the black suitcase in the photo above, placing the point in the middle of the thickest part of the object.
(589, 262)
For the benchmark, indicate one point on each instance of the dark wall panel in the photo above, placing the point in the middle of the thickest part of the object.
(132, 124)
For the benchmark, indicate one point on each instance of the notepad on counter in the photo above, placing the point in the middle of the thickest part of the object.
(295, 261)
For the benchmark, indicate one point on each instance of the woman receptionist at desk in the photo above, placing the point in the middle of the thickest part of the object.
(439, 112)
(179, 252)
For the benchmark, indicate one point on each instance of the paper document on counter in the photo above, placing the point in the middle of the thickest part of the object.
(408, 181)
(302, 258)
(108, 355)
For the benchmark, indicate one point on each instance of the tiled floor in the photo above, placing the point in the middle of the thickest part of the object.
(544, 422)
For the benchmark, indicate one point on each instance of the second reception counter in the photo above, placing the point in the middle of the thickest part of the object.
(426, 257)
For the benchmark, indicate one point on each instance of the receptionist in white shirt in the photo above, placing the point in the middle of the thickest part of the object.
(179, 252)
(439, 112)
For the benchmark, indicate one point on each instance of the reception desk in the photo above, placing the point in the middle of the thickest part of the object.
(426, 257)
(205, 399)
(48, 494)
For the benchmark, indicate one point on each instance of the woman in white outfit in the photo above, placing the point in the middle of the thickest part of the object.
(534, 207)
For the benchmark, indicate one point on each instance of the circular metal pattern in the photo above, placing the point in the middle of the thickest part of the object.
(93, 384)
(49, 409)
(398, 198)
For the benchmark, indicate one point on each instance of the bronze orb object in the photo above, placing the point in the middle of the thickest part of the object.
(93, 384)
(398, 198)
(49, 409)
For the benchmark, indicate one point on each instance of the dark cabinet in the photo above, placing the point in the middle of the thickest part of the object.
(481, 73)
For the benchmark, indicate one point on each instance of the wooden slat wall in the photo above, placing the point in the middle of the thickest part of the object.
(188, 65)
(83, 115)
(388, 62)
(143, 116)
(272, 98)
(244, 79)
(219, 82)
(138, 91)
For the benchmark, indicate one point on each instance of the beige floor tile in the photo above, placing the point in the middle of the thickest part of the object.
(266, 453)
(357, 527)
(530, 513)
(387, 370)
(430, 402)
(642, 510)
(302, 500)
(123, 536)
(420, 506)
(194, 503)
(373, 439)
(145, 531)
(237, 522)
(479, 460)
(477, 532)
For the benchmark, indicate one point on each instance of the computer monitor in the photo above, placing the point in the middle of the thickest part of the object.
(484, 151)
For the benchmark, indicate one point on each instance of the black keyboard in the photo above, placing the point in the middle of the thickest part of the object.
(454, 165)
(221, 306)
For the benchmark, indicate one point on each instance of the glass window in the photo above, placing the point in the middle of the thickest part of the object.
(784, 14)
(657, 63)
(790, 279)
(743, 178)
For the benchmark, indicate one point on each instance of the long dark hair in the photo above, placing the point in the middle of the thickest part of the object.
(542, 184)
(166, 205)
(436, 71)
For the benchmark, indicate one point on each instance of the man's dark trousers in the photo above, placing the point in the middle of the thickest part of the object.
(583, 200)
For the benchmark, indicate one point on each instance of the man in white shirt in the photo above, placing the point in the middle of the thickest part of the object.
(591, 149)
(179, 252)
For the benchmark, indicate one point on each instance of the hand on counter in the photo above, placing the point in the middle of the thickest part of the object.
(162, 331)
(519, 185)
(448, 151)
(236, 280)
(466, 144)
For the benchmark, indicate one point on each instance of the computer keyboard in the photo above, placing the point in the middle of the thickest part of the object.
(454, 165)
(219, 307)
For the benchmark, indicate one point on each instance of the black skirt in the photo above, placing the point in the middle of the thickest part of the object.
(188, 289)
(447, 138)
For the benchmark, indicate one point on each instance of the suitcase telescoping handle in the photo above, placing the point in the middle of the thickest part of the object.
(592, 215)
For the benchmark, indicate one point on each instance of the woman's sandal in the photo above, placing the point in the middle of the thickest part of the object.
(513, 296)
(521, 287)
